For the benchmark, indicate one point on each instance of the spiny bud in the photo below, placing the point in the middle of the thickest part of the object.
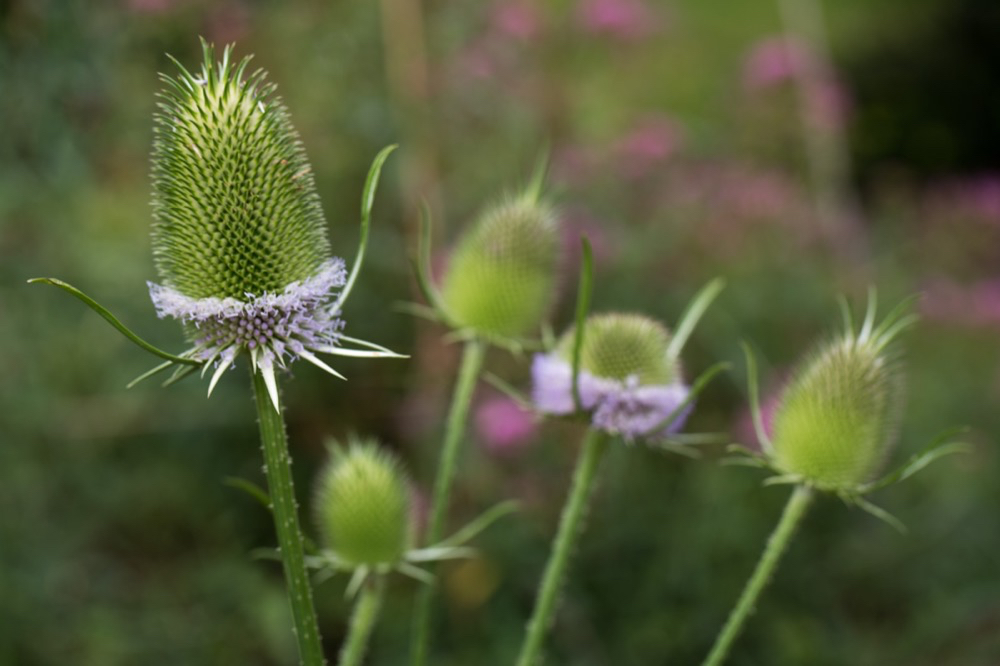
(234, 200)
(501, 275)
(363, 505)
(627, 376)
(618, 346)
(836, 419)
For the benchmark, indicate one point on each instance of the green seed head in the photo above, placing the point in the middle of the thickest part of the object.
(616, 346)
(235, 205)
(363, 505)
(501, 275)
(836, 419)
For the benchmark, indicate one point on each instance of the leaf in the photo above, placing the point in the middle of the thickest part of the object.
(367, 201)
(508, 390)
(758, 420)
(484, 520)
(583, 294)
(698, 386)
(938, 448)
(250, 488)
(422, 267)
(693, 314)
(114, 321)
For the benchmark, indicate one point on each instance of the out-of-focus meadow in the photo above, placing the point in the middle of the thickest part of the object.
(688, 140)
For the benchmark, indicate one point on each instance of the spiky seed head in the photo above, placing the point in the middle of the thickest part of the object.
(501, 275)
(363, 505)
(235, 205)
(836, 420)
(618, 346)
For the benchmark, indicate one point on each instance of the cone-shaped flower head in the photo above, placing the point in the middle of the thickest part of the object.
(239, 238)
(627, 376)
(836, 419)
(501, 275)
(363, 506)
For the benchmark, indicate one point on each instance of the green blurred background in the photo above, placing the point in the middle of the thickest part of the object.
(689, 139)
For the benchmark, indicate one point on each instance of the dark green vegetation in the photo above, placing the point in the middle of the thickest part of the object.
(120, 542)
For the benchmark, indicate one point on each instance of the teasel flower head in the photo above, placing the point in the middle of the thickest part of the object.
(627, 378)
(239, 237)
(362, 505)
(501, 274)
(836, 420)
(366, 519)
(500, 278)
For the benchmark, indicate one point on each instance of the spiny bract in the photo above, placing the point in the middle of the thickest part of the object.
(363, 506)
(501, 275)
(836, 419)
(235, 204)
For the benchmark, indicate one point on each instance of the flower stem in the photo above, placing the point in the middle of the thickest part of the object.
(472, 362)
(278, 467)
(776, 544)
(594, 446)
(366, 610)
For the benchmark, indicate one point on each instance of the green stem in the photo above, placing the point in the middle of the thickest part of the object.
(776, 544)
(278, 467)
(366, 610)
(472, 363)
(594, 446)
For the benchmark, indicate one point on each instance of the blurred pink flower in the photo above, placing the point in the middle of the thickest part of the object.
(828, 105)
(773, 61)
(516, 19)
(648, 143)
(503, 427)
(628, 20)
(949, 302)
(150, 6)
(976, 196)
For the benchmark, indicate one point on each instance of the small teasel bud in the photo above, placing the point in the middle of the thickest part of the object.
(617, 346)
(234, 199)
(835, 422)
(501, 275)
(629, 376)
(362, 505)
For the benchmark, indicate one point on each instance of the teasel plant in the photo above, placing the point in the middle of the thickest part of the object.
(620, 375)
(497, 289)
(366, 524)
(239, 241)
(832, 432)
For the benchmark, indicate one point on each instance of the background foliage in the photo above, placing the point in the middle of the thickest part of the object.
(680, 137)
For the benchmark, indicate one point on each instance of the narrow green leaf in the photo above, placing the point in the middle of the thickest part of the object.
(698, 386)
(422, 266)
(504, 387)
(938, 448)
(250, 488)
(694, 312)
(758, 420)
(111, 319)
(367, 201)
(485, 519)
(582, 309)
